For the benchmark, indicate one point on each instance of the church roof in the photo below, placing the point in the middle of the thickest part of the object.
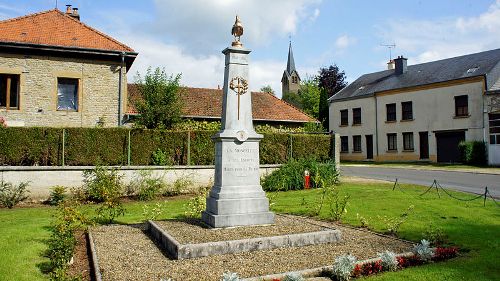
(290, 65)
(207, 104)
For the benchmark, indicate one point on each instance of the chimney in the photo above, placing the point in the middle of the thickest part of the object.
(72, 12)
(400, 65)
(75, 14)
(390, 65)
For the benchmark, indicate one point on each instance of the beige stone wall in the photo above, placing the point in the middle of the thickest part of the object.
(98, 91)
(433, 110)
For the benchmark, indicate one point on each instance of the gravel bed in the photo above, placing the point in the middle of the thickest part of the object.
(125, 252)
(193, 231)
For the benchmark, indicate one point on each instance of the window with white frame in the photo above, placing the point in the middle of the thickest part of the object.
(408, 141)
(392, 142)
(494, 122)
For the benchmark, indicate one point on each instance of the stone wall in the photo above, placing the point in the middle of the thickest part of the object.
(72, 176)
(98, 91)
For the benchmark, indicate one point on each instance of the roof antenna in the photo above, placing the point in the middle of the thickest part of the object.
(56, 4)
(390, 47)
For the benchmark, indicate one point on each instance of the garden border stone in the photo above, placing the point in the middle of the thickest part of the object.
(93, 257)
(187, 251)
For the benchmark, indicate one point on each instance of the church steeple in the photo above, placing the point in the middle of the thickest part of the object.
(290, 81)
(290, 65)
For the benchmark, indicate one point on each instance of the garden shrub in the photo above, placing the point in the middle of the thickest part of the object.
(473, 152)
(11, 194)
(145, 185)
(61, 244)
(392, 224)
(197, 204)
(30, 146)
(160, 158)
(102, 184)
(109, 210)
(389, 260)
(179, 186)
(435, 235)
(230, 276)
(343, 266)
(290, 176)
(153, 211)
(57, 195)
(423, 250)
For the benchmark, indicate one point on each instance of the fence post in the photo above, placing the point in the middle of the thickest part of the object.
(291, 146)
(336, 150)
(189, 148)
(63, 145)
(128, 148)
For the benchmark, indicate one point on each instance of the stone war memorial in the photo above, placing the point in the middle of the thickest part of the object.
(237, 198)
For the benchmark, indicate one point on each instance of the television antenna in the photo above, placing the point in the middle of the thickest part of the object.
(390, 47)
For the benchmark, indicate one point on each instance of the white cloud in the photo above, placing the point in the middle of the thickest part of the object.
(344, 41)
(427, 40)
(200, 26)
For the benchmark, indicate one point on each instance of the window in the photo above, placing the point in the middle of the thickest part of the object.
(462, 106)
(407, 110)
(494, 121)
(295, 80)
(392, 142)
(408, 141)
(67, 94)
(344, 117)
(356, 143)
(391, 112)
(9, 91)
(344, 144)
(356, 116)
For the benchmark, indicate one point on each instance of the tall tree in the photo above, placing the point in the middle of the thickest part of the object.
(309, 94)
(267, 89)
(331, 80)
(159, 104)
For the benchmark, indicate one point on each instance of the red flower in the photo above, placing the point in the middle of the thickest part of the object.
(276, 279)
(445, 253)
(357, 271)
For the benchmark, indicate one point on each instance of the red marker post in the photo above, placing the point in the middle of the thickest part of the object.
(307, 179)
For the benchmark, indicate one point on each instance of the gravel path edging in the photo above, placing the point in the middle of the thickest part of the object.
(315, 272)
(186, 251)
(93, 257)
(364, 229)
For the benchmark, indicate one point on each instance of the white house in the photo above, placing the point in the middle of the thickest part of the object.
(422, 111)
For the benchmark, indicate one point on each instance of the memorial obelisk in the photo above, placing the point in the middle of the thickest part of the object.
(237, 198)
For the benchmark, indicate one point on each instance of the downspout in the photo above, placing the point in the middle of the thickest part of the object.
(376, 124)
(120, 78)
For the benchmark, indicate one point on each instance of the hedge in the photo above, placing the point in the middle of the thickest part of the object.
(473, 152)
(109, 146)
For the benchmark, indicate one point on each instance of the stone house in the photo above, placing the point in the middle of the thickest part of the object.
(57, 71)
(203, 104)
(420, 112)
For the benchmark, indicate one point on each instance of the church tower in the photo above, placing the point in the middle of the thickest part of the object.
(290, 82)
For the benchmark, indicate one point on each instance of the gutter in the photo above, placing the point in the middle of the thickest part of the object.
(65, 49)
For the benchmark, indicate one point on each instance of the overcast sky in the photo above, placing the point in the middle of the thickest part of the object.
(187, 36)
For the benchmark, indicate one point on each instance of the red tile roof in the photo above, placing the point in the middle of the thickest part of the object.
(55, 28)
(207, 103)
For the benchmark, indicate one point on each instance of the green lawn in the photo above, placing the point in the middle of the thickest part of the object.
(472, 227)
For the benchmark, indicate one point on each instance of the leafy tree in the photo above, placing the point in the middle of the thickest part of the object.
(309, 94)
(267, 89)
(331, 80)
(293, 99)
(159, 104)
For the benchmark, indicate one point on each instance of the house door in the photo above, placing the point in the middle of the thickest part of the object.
(369, 146)
(447, 146)
(424, 145)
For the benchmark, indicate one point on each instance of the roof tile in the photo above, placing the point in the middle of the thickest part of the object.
(55, 28)
(207, 103)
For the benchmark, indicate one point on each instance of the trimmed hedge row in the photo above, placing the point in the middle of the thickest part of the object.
(109, 146)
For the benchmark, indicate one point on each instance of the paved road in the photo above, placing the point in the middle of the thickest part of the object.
(463, 181)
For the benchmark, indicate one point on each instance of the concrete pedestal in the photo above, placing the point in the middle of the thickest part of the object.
(237, 199)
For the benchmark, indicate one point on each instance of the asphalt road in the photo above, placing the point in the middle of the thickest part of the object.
(463, 181)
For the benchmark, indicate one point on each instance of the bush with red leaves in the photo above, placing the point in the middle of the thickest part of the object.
(445, 253)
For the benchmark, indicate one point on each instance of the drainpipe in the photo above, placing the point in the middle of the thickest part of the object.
(376, 124)
(122, 55)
